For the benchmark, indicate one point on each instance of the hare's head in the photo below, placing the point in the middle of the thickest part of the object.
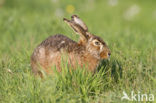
(94, 44)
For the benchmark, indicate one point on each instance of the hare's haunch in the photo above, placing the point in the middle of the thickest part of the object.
(88, 51)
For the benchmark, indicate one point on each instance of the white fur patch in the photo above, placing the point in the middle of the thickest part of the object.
(101, 48)
(62, 42)
(41, 52)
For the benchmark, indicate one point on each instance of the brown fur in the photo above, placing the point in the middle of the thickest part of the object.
(59, 48)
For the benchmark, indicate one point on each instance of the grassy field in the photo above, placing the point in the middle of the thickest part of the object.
(128, 27)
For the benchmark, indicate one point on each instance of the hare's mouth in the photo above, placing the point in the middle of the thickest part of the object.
(105, 55)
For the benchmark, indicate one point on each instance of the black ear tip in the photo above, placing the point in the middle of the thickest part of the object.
(74, 16)
(64, 19)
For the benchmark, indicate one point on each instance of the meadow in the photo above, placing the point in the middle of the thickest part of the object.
(127, 26)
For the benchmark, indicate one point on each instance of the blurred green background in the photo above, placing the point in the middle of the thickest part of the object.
(127, 26)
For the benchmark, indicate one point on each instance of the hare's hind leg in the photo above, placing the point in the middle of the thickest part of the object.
(35, 69)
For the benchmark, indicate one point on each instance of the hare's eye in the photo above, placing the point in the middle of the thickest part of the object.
(97, 43)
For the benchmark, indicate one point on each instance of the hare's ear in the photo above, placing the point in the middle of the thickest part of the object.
(78, 29)
(78, 21)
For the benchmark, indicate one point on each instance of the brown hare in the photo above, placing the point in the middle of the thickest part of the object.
(88, 51)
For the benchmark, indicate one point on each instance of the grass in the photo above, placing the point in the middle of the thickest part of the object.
(132, 40)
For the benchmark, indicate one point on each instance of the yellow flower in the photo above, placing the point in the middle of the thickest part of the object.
(70, 9)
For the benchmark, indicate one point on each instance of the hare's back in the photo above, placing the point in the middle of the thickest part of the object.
(49, 51)
(57, 42)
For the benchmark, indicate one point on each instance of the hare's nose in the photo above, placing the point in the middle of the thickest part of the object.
(109, 53)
